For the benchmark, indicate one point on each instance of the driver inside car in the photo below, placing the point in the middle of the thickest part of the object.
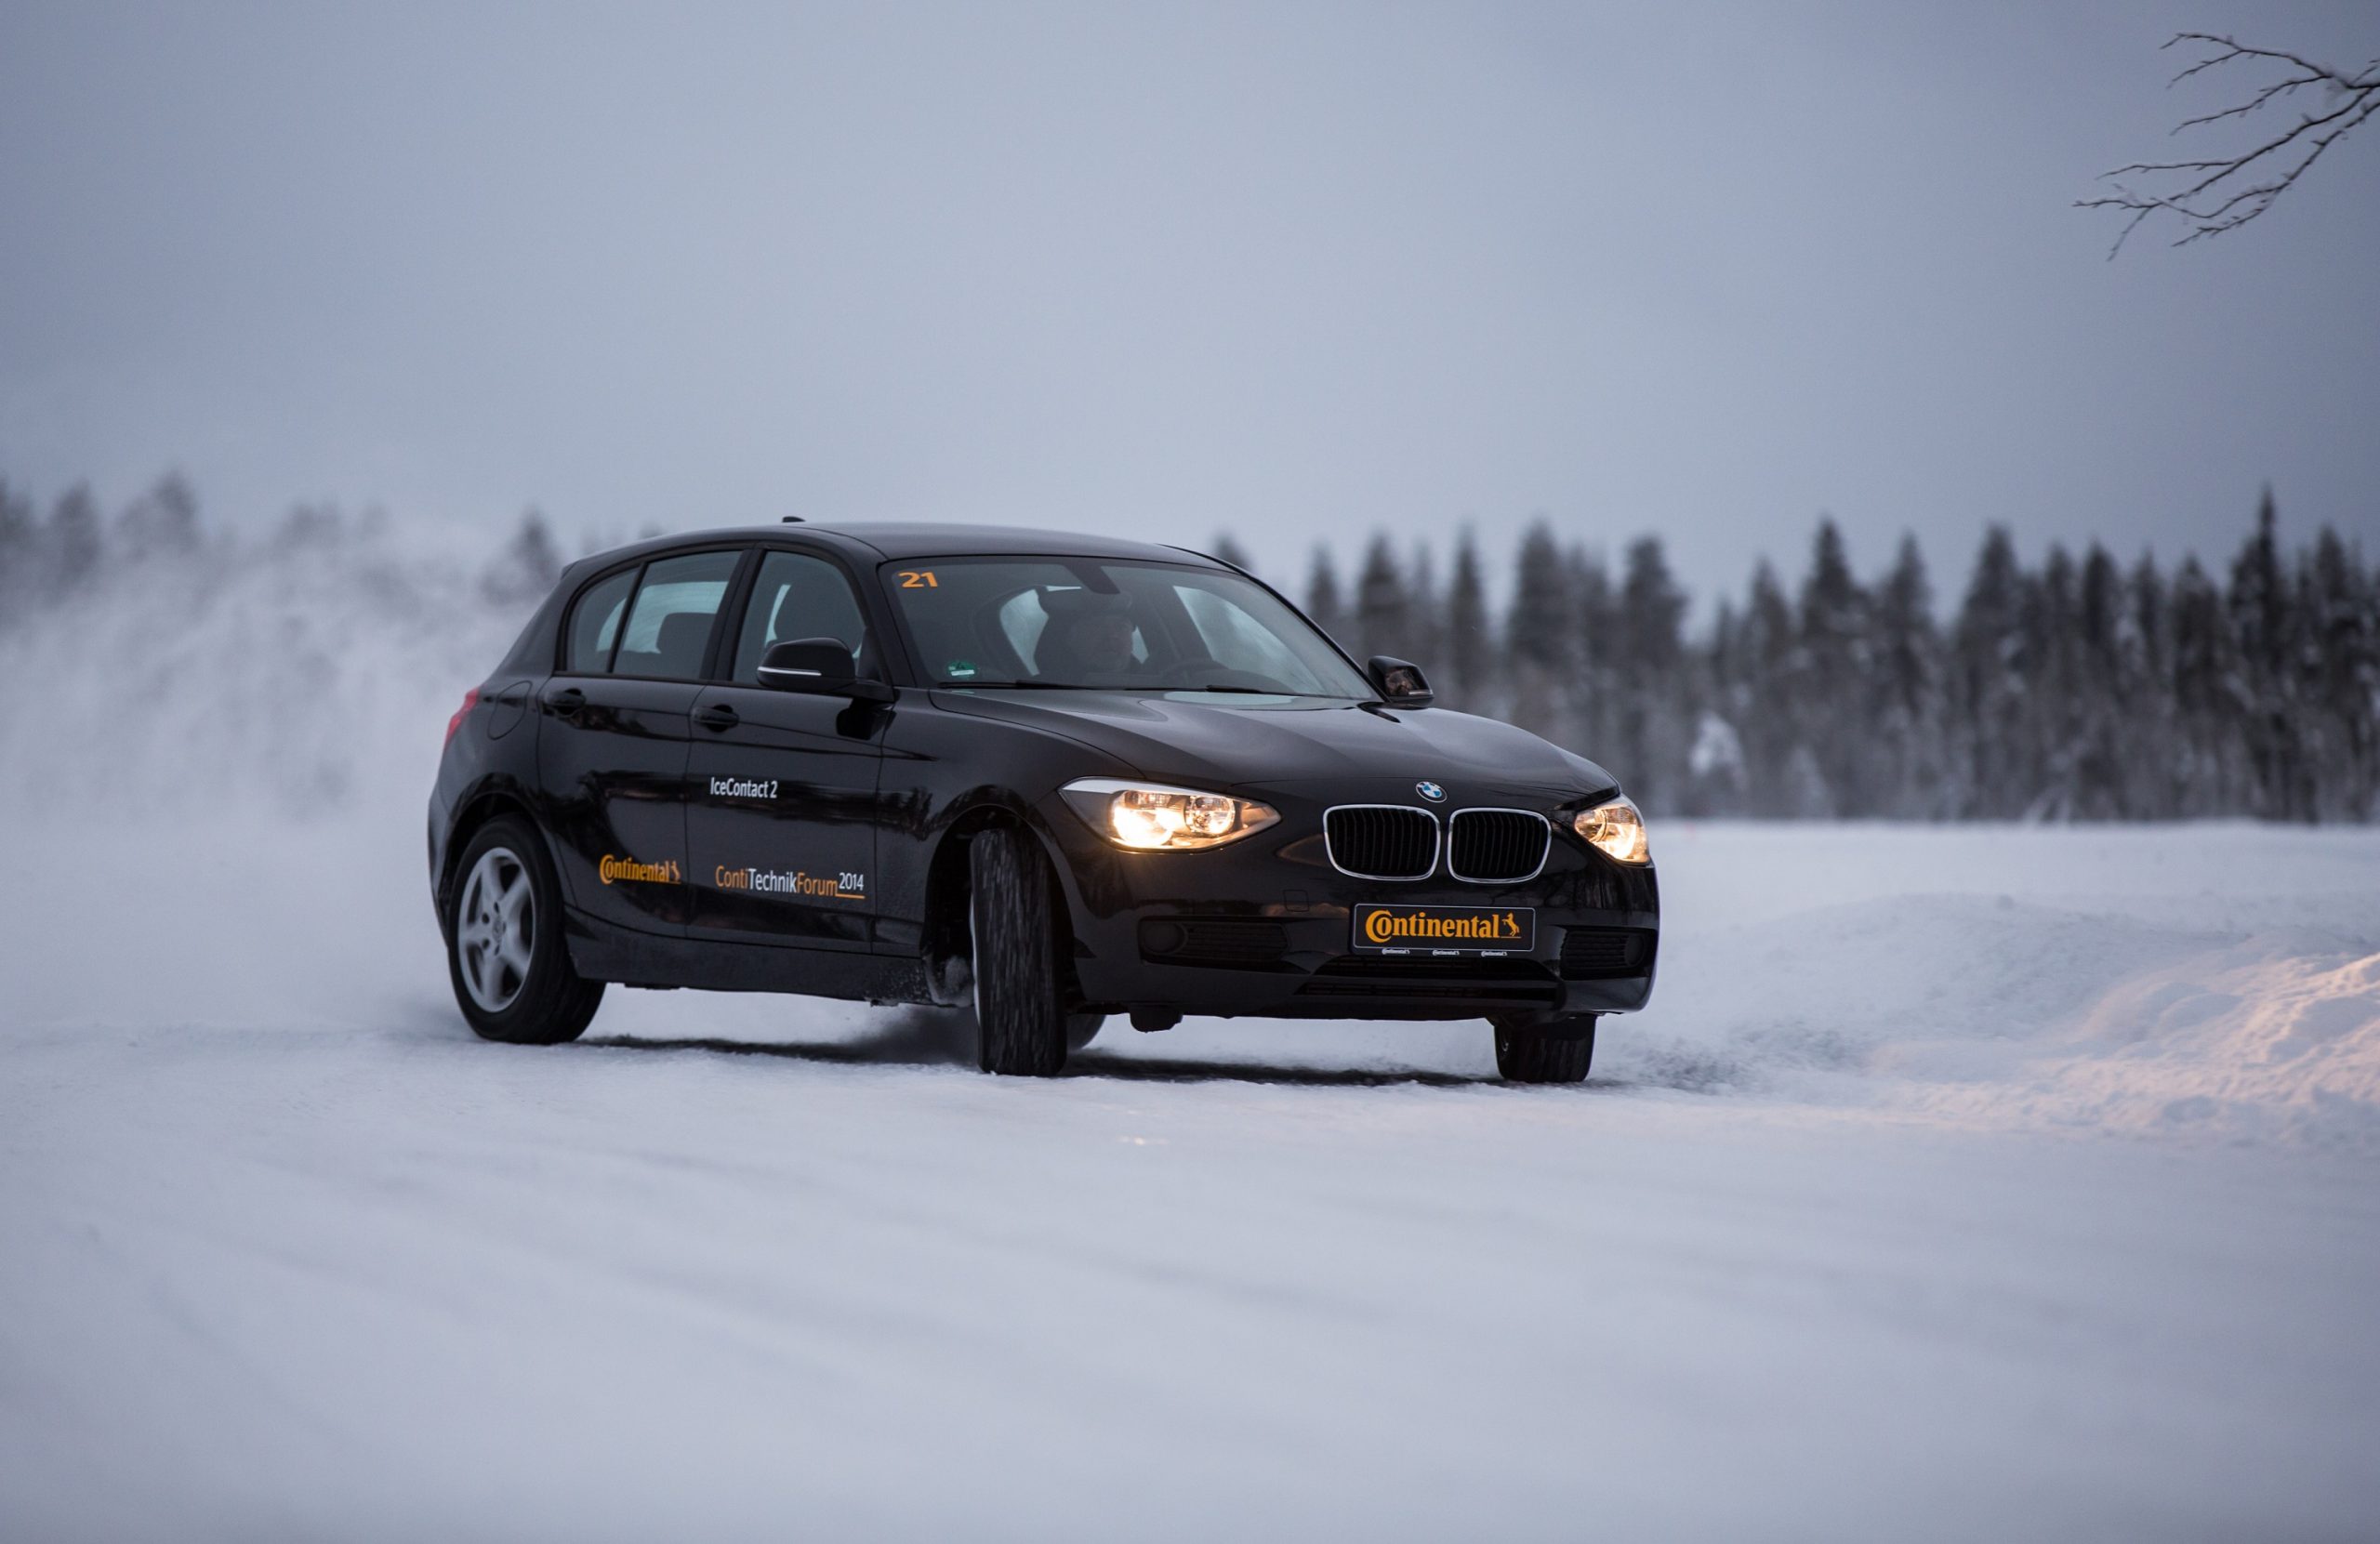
(1090, 643)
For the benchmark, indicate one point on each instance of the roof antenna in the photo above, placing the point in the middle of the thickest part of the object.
(791, 520)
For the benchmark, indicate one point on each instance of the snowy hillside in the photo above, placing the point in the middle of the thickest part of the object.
(1967, 1183)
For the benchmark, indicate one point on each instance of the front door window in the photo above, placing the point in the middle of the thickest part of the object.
(781, 818)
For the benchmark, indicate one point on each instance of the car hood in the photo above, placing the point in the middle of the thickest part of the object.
(1221, 740)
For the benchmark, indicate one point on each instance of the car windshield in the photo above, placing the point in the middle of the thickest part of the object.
(1063, 622)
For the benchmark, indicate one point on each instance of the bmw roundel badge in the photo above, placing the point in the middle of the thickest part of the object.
(1431, 791)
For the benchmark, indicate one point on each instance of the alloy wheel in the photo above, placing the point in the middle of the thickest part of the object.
(495, 929)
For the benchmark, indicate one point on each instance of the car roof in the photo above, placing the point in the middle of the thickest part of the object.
(893, 540)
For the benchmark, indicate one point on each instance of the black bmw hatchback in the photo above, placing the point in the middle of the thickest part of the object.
(1054, 778)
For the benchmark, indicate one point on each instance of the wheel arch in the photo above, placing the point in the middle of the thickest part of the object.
(948, 888)
(487, 803)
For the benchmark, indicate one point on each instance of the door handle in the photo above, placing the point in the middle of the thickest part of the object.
(718, 716)
(567, 701)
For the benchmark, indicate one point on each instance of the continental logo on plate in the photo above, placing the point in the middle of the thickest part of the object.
(846, 885)
(1445, 930)
(624, 871)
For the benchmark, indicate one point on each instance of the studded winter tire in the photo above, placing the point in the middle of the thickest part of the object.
(1020, 1020)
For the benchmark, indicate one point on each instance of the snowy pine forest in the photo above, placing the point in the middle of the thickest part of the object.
(2075, 688)
(2070, 688)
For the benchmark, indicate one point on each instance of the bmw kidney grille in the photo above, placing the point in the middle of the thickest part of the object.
(1488, 847)
(1381, 841)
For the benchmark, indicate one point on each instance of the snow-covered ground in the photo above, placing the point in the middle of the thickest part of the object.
(1961, 1183)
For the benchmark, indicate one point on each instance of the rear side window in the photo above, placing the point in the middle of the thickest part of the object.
(797, 596)
(668, 628)
(595, 625)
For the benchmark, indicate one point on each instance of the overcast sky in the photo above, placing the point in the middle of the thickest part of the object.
(1289, 270)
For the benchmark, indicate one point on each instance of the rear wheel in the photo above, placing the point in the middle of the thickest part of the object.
(505, 955)
(1551, 1051)
(1020, 1020)
(1082, 1028)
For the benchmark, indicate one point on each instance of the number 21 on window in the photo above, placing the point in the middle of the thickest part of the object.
(918, 579)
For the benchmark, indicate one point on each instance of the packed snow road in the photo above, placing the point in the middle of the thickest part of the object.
(1960, 1184)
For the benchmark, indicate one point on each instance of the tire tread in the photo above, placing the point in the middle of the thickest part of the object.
(1020, 1007)
(1533, 1055)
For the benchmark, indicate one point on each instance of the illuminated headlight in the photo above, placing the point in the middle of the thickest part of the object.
(1616, 830)
(1153, 818)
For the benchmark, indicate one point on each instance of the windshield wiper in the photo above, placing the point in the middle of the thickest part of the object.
(1022, 685)
(1120, 686)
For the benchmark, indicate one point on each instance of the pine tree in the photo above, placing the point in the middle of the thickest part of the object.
(1831, 686)
(1911, 781)
(527, 567)
(1598, 677)
(1470, 630)
(1322, 601)
(74, 544)
(2342, 675)
(1539, 636)
(2215, 775)
(2259, 606)
(1715, 768)
(1765, 713)
(1383, 622)
(2153, 755)
(19, 551)
(1422, 635)
(162, 522)
(1224, 549)
(1655, 719)
(2051, 604)
(1538, 626)
(1989, 700)
(2102, 691)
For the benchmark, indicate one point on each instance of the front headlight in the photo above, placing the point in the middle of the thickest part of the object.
(1150, 817)
(1616, 830)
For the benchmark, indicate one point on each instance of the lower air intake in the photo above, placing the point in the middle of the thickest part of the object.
(1247, 942)
(1513, 980)
(1590, 953)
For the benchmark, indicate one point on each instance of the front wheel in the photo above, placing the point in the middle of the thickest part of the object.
(1020, 1020)
(1551, 1051)
(505, 955)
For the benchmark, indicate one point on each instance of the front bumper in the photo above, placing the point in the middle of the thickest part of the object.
(1265, 927)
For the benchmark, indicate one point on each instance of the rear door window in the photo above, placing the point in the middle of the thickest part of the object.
(595, 624)
(668, 628)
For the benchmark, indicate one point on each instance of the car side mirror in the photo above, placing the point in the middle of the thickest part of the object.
(821, 667)
(1399, 682)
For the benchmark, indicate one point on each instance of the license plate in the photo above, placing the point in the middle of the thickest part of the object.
(1444, 930)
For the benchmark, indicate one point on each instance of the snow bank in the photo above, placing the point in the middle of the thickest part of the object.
(2207, 981)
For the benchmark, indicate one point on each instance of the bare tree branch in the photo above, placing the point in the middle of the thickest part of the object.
(2211, 196)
